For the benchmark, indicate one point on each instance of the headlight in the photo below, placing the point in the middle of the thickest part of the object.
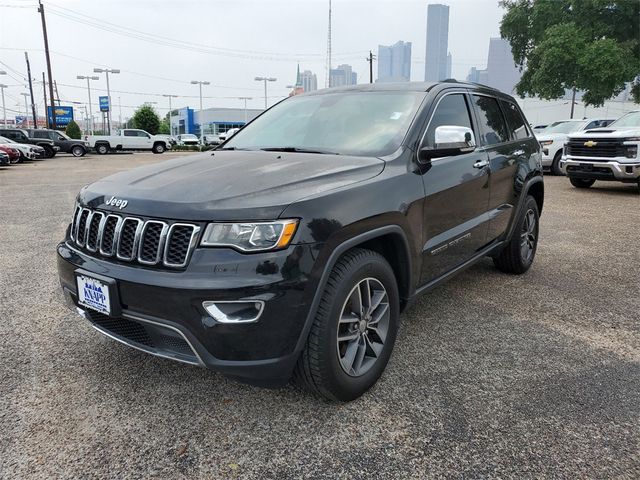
(250, 237)
(546, 142)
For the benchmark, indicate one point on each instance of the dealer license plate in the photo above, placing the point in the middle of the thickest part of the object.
(93, 294)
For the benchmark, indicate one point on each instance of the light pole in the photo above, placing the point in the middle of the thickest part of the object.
(4, 108)
(107, 72)
(245, 107)
(265, 80)
(200, 83)
(26, 108)
(87, 78)
(171, 111)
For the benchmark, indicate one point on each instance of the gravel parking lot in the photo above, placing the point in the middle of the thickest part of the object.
(492, 375)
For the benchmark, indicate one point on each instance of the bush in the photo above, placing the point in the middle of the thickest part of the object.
(73, 130)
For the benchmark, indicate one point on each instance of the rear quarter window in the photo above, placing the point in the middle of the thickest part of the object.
(493, 128)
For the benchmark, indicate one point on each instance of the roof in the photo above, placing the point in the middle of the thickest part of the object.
(400, 86)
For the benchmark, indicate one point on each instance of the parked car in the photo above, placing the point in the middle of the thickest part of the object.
(609, 154)
(170, 141)
(22, 136)
(27, 151)
(77, 148)
(294, 251)
(228, 134)
(553, 138)
(188, 139)
(539, 128)
(12, 153)
(128, 139)
(211, 139)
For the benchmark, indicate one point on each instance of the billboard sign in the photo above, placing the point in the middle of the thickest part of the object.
(104, 104)
(21, 121)
(63, 115)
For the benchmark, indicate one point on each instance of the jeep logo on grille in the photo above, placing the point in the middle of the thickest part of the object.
(117, 202)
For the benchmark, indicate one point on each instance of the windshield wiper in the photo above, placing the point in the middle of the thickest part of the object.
(297, 150)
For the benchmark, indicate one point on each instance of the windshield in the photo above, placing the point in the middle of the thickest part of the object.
(64, 135)
(351, 123)
(6, 140)
(188, 136)
(564, 127)
(629, 120)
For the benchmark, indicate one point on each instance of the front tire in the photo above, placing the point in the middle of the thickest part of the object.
(519, 253)
(555, 166)
(159, 148)
(102, 149)
(78, 151)
(581, 182)
(354, 330)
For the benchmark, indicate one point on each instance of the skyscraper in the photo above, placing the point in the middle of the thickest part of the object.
(435, 57)
(308, 81)
(502, 72)
(343, 75)
(394, 62)
(449, 61)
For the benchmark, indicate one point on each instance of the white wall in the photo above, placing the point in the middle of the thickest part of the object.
(546, 111)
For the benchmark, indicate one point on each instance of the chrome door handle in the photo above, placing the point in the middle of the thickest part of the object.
(481, 164)
(518, 153)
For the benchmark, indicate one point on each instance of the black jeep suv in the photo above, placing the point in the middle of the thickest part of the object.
(22, 136)
(292, 249)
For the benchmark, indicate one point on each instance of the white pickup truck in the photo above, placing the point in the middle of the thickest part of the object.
(128, 139)
(609, 153)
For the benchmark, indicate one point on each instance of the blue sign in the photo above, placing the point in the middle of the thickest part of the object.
(63, 115)
(104, 104)
(21, 121)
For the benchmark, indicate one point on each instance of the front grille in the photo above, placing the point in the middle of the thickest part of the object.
(600, 148)
(150, 337)
(131, 239)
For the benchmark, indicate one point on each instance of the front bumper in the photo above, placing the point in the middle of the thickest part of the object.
(601, 169)
(169, 304)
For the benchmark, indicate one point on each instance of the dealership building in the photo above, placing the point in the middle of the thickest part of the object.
(211, 120)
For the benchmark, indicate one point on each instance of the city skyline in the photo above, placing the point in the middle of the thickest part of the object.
(394, 62)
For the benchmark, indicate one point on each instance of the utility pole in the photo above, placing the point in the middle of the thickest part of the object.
(370, 59)
(171, 111)
(120, 112)
(200, 83)
(33, 104)
(44, 91)
(88, 77)
(26, 107)
(4, 109)
(245, 107)
(573, 101)
(46, 52)
(55, 86)
(265, 80)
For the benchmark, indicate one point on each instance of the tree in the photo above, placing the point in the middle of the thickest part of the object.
(588, 45)
(73, 130)
(145, 118)
(164, 127)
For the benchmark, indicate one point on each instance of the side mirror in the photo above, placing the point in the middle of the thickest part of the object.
(450, 140)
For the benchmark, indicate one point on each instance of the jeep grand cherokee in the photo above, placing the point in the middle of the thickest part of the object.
(291, 250)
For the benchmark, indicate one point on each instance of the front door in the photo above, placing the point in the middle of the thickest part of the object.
(456, 195)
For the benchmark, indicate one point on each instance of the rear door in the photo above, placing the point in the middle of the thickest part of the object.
(130, 139)
(456, 194)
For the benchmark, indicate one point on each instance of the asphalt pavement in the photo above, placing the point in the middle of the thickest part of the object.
(492, 375)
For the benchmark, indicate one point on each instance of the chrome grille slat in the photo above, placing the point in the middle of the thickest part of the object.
(131, 239)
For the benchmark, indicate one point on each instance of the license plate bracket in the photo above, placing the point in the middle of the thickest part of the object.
(97, 292)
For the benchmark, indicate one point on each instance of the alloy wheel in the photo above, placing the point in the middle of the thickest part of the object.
(528, 236)
(363, 327)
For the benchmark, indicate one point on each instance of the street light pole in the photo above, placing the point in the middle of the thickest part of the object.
(171, 111)
(4, 108)
(82, 77)
(200, 83)
(26, 107)
(107, 72)
(265, 80)
(245, 107)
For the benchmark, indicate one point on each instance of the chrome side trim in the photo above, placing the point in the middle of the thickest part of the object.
(192, 244)
(163, 238)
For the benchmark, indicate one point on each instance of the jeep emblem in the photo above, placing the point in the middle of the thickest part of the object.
(117, 202)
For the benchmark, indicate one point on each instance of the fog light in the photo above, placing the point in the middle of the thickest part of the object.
(632, 151)
(242, 311)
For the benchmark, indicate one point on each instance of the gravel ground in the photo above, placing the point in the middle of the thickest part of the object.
(492, 375)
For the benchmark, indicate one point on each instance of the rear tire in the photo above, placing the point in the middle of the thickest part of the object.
(555, 166)
(581, 182)
(78, 151)
(49, 152)
(102, 149)
(519, 253)
(346, 352)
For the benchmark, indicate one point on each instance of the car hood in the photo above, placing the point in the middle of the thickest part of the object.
(552, 136)
(228, 185)
(606, 132)
(21, 146)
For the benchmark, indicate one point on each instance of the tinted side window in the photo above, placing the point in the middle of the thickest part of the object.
(142, 134)
(515, 121)
(452, 110)
(40, 134)
(492, 127)
(130, 133)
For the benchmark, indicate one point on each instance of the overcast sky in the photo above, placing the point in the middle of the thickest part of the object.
(229, 43)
